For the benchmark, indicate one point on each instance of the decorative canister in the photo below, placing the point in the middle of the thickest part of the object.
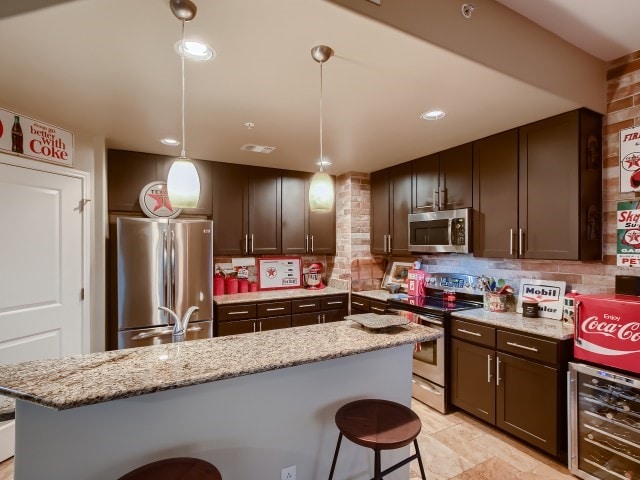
(569, 309)
(495, 302)
(529, 309)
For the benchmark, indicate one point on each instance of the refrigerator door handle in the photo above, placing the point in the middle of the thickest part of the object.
(172, 297)
(165, 273)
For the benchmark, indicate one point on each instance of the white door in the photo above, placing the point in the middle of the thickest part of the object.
(41, 268)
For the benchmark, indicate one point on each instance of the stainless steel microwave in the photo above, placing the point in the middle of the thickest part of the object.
(441, 231)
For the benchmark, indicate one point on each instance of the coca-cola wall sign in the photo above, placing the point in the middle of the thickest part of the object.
(31, 138)
(630, 160)
(548, 293)
(628, 234)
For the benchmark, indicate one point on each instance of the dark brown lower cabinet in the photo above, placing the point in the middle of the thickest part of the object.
(527, 401)
(261, 316)
(512, 380)
(472, 386)
(251, 326)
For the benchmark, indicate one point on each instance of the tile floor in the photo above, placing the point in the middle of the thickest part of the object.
(458, 447)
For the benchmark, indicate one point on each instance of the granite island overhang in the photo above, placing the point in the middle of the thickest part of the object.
(251, 404)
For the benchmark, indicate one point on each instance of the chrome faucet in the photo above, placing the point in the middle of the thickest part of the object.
(180, 326)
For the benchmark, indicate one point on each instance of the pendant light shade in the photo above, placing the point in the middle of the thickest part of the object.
(183, 181)
(321, 194)
(183, 184)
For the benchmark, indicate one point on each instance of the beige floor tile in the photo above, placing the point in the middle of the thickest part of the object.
(492, 469)
(506, 452)
(459, 438)
(548, 472)
(440, 462)
(432, 420)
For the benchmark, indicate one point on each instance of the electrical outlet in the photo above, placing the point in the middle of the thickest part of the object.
(288, 473)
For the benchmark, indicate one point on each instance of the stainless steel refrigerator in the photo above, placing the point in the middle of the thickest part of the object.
(163, 263)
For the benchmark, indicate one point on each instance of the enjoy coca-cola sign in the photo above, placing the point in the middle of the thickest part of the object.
(608, 331)
(629, 332)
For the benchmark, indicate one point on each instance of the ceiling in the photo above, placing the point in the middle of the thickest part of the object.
(101, 67)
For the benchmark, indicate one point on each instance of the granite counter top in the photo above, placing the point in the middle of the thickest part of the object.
(540, 326)
(379, 295)
(101, 377)
(284, 294)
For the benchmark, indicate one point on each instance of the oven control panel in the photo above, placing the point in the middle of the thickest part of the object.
(454, 281)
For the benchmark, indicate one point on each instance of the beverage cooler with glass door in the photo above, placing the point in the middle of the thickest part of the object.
(604, 391)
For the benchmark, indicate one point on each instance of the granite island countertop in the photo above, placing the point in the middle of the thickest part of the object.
(545, 327)
(81, 380)
(283, 294)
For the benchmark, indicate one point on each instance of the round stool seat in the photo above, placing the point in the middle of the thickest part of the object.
(182, 468)
(378, 424)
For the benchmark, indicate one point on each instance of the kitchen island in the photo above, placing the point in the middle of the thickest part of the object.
(250, 404)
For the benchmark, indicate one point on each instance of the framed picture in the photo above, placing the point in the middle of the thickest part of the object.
(397, 274)
(279, 273)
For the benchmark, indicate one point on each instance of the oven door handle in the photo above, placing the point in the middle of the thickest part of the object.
(432, 320)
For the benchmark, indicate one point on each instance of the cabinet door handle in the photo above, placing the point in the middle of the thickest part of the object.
(520, 242)
(511, 241)
(306, 243)
(517, 345)
(237, 313)
(384, 246)
(319, 319)
(497, 371)
(323, 318)
(377, 309)
(475, 334)
(389, 243)
(335, 303)
(254, 327)
(260, 325)
(275, 309)
(488, 368)
(311, 243)
(252, 243)
(246, 244)
(307, 305)
(358, 304)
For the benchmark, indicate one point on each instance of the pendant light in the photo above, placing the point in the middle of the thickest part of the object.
(183, 182)
(321, 195)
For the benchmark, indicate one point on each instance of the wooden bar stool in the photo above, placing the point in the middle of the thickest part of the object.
(182, 468)
(379, 425)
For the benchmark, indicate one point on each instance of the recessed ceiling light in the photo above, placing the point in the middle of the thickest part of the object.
(324, 163)
(433, 115)
(169, 141)
(195, 50)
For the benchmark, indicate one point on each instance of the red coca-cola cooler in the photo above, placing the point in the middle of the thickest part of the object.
(604, 388)
(607, 331)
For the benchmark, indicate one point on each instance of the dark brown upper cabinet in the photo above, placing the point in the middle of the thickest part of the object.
(560, 188)
(537, 190)
(390, 208)
(246, 209)
(450, 173)
(495, 195)
(304, 231)
(128, 172)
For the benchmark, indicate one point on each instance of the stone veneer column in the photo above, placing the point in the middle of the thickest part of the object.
(353, 212)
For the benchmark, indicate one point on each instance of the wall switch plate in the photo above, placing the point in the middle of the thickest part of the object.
(288, 473)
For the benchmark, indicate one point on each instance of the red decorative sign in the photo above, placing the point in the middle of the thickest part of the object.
(31, 138)
(155, 203)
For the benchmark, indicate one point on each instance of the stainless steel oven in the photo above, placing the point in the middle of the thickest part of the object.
(428, 383)
(442, 231)
(430, 369)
